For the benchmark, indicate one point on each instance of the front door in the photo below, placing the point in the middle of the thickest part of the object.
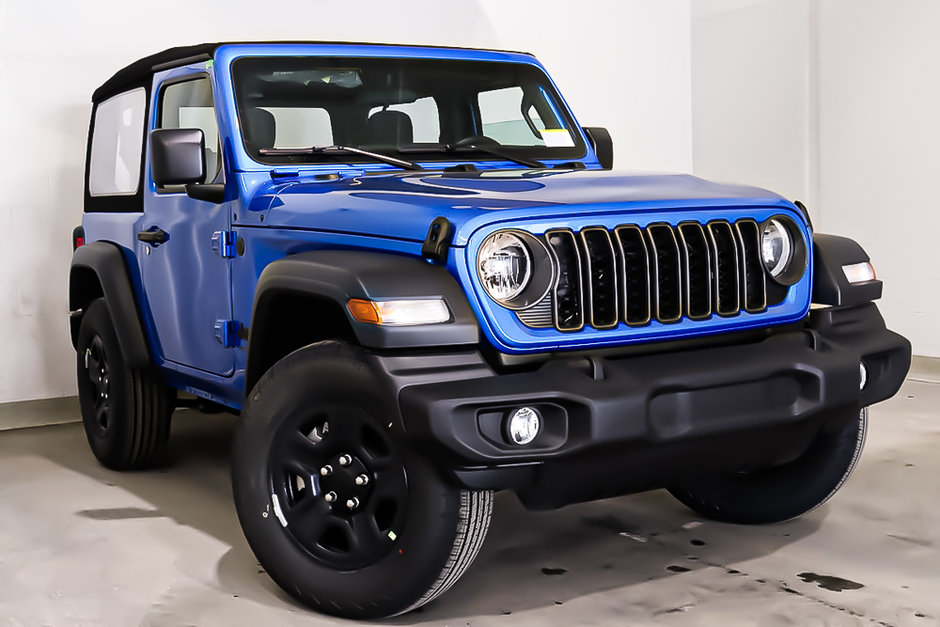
(186, 278)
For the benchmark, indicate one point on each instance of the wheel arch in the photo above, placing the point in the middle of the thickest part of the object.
(302, 299)
(99, 270)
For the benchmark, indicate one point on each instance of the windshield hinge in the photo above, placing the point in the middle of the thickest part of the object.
(437, 243)
(223, 243)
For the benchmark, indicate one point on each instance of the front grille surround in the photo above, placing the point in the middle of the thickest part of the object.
(531, 329)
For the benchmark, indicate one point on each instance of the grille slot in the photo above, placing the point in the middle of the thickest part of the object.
(600, 272)
(725, 265)
(633, 275)
(666, 272)
(753, 278)
(635, 264)
(567, 295)
(696, 265)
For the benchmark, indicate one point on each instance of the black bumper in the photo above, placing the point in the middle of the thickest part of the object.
(619, 424)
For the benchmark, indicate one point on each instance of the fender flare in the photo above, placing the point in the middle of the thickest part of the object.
(99, 269)
(830, 287)
(339, 275)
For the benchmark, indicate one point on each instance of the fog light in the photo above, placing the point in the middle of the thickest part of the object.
(524, 425)
(862, 375)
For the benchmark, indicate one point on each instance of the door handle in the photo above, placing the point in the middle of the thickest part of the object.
(154, 236)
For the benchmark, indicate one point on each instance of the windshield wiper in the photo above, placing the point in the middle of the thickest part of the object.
(332, 150)
(496, 152)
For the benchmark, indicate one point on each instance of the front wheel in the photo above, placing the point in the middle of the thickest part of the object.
(782, 492)
(340, 513)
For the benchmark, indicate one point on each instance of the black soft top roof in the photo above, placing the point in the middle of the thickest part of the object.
(139, 72)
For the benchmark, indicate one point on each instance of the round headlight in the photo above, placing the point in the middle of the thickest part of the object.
(776, 247)
(504, 265)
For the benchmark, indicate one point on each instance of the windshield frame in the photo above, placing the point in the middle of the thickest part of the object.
(436, 157)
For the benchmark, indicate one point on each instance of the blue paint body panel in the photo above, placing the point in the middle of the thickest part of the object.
(184, 287)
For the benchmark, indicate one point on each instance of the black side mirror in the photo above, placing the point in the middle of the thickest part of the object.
(602, 143)
(177, 156)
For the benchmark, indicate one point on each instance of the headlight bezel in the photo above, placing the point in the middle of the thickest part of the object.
(792, 266)
(540, 276)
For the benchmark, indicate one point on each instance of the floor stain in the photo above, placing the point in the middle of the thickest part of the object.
(120, 513)
(830, 582)
(917, 541)
(675, 568)
(608, 523)
(554, 571)
(696, 542)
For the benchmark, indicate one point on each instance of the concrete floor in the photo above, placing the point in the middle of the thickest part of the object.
(80, 545)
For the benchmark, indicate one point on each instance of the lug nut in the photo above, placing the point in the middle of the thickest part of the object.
(326, 471)
(345, 460)
(329, 497)
(352, 503)
(362, 480)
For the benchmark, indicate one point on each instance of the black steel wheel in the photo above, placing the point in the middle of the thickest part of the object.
(340, 486)
(341, 513)
(125, 411)
(783, 492)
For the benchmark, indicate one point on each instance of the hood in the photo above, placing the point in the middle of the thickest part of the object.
(402, 205)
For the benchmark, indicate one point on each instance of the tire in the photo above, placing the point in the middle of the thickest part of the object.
(783, 492)
(125, 411)
(407, 538)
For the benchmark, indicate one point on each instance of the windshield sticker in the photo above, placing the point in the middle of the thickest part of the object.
(557, 138)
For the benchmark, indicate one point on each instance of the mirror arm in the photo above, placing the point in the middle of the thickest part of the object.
(210, 192)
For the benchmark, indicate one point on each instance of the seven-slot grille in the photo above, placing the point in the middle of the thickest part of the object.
(634, 274)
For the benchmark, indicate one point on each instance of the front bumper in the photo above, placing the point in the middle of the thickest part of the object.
(619, 424)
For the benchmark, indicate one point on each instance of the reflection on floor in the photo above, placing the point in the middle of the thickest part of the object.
(80, 545)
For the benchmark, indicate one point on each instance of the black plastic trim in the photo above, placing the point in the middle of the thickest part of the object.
(339, 275)
(100, 269)
(830, 287)
(602, 143)
(627, 423)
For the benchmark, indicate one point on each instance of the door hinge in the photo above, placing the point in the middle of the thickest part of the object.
(223, 242)
(228, 332)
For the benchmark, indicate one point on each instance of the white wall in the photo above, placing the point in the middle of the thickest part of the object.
(621, 64)
(879, 147)
(751, 93)
(837, 103)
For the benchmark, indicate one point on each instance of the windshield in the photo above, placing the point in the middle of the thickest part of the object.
(426, 109)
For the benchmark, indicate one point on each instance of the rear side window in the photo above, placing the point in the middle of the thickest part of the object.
(188, 104)
(117, 145)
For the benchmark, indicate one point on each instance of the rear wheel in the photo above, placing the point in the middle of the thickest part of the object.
(341, 514)
(782, 492)
(125, 411)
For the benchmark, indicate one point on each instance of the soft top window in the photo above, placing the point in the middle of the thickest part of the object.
(117, 145)
(423, 109)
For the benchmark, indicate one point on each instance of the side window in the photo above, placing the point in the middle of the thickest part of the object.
(425, 119)
(117, 145)
(188, 104)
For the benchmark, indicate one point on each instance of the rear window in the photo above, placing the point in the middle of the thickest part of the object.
(117, 145)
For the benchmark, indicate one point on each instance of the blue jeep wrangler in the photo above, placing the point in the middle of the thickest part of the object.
(415, 277)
